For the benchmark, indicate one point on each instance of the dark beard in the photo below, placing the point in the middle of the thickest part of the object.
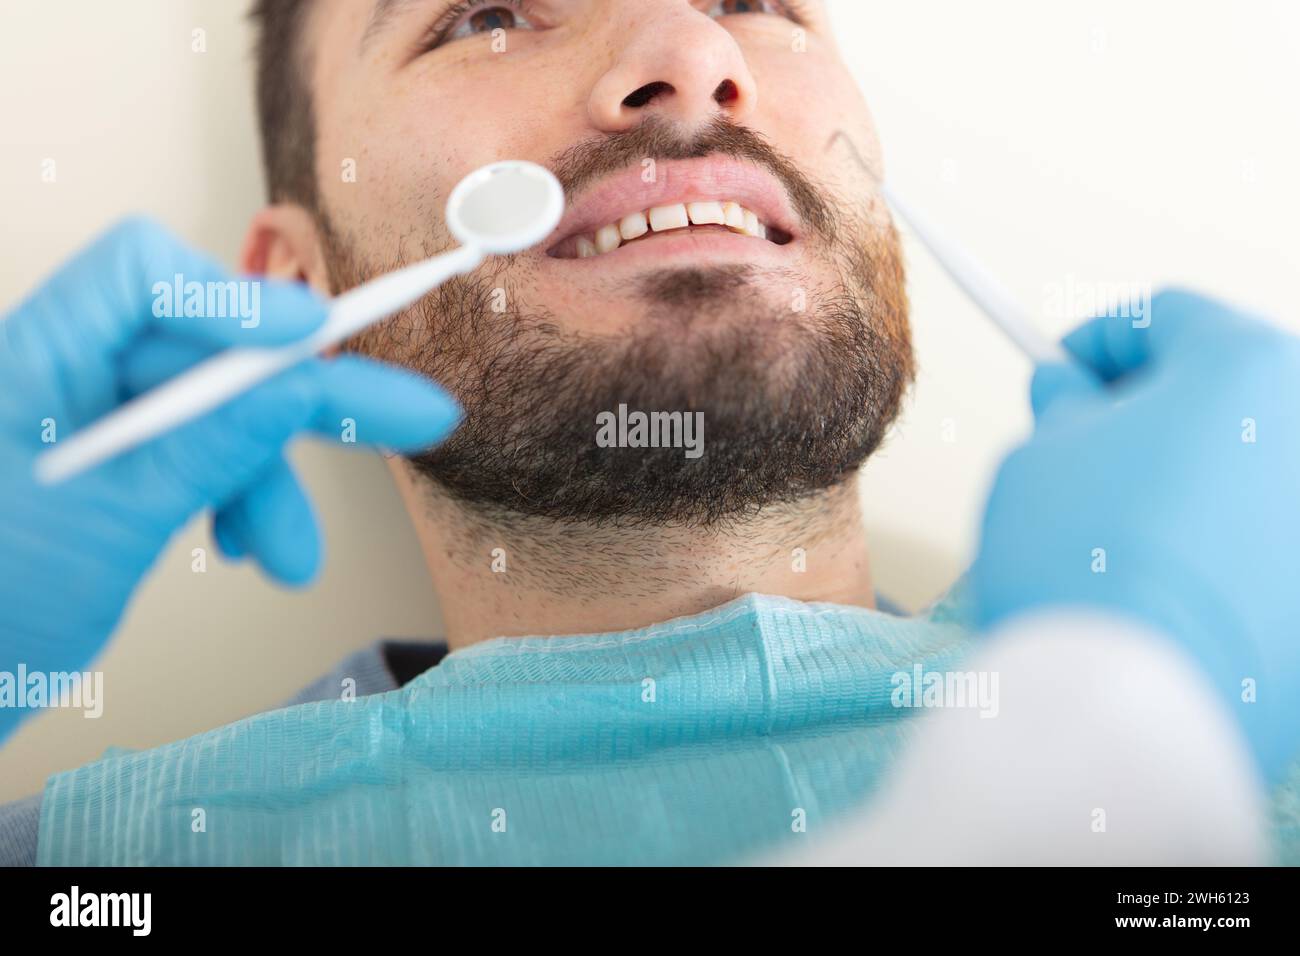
(792, 403)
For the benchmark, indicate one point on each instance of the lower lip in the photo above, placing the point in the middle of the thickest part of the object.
(694, 246)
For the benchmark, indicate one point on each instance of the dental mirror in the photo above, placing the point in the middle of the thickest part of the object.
(499, 209)
(506, 207)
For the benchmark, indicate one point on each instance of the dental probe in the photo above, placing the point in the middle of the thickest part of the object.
(979, 285)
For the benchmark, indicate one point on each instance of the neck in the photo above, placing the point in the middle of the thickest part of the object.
(516, 576)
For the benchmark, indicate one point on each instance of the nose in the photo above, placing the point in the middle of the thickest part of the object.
(677, 62)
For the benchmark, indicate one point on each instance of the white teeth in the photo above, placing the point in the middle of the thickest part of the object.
(608, 239)
(706, 213)
(753, 227)
(633, 226)
(667, 218)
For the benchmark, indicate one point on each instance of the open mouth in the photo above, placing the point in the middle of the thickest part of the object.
(704, 215)
(728, 205)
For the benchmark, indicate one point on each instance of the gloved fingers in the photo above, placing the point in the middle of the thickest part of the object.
(138, 276)
(1057, 387)
(1116, 344)
(214, 459)
(357, 395)
(272, 520)
(373, 403)
(270, 312)
(229, 540)
(155, 358)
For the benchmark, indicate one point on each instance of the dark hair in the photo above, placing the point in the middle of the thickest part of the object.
(285, 115)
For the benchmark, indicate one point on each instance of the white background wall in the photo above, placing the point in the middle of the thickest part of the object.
(1067, 142)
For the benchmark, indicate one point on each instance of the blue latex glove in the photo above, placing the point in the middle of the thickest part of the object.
(88, 340)
(1200, 528)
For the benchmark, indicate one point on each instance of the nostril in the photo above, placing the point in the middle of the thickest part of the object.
(726, 92)
(639, 98)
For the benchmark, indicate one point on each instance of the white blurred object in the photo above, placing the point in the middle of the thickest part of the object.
(1108, 748)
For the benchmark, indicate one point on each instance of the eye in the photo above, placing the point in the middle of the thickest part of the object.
(727, 7)
(487, 18)
(470, 19)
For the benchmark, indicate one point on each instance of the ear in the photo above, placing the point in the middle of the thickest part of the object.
(283, 242)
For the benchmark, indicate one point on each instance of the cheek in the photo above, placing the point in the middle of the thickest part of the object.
(804, 99)
(418, 138)
(478, 107)
(403, 172)
(366, 162)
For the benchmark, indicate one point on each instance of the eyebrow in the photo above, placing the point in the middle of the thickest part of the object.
(382, 16)
(386, 11)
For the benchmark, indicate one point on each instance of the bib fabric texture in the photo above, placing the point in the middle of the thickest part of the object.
(699, 740)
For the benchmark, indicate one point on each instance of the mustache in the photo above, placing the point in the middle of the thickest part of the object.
(660, 139)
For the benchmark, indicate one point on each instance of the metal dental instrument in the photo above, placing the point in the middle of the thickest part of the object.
(971, 277)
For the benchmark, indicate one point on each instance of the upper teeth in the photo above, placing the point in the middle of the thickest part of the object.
(666, 218)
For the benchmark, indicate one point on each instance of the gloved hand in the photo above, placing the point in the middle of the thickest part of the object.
(1170, 494)
(88, 340)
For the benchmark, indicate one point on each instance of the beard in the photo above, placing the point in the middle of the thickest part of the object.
(792, 400)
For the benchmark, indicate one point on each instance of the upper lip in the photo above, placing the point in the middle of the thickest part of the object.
(678, 181)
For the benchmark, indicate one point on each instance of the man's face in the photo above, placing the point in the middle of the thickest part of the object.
(784, 325)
